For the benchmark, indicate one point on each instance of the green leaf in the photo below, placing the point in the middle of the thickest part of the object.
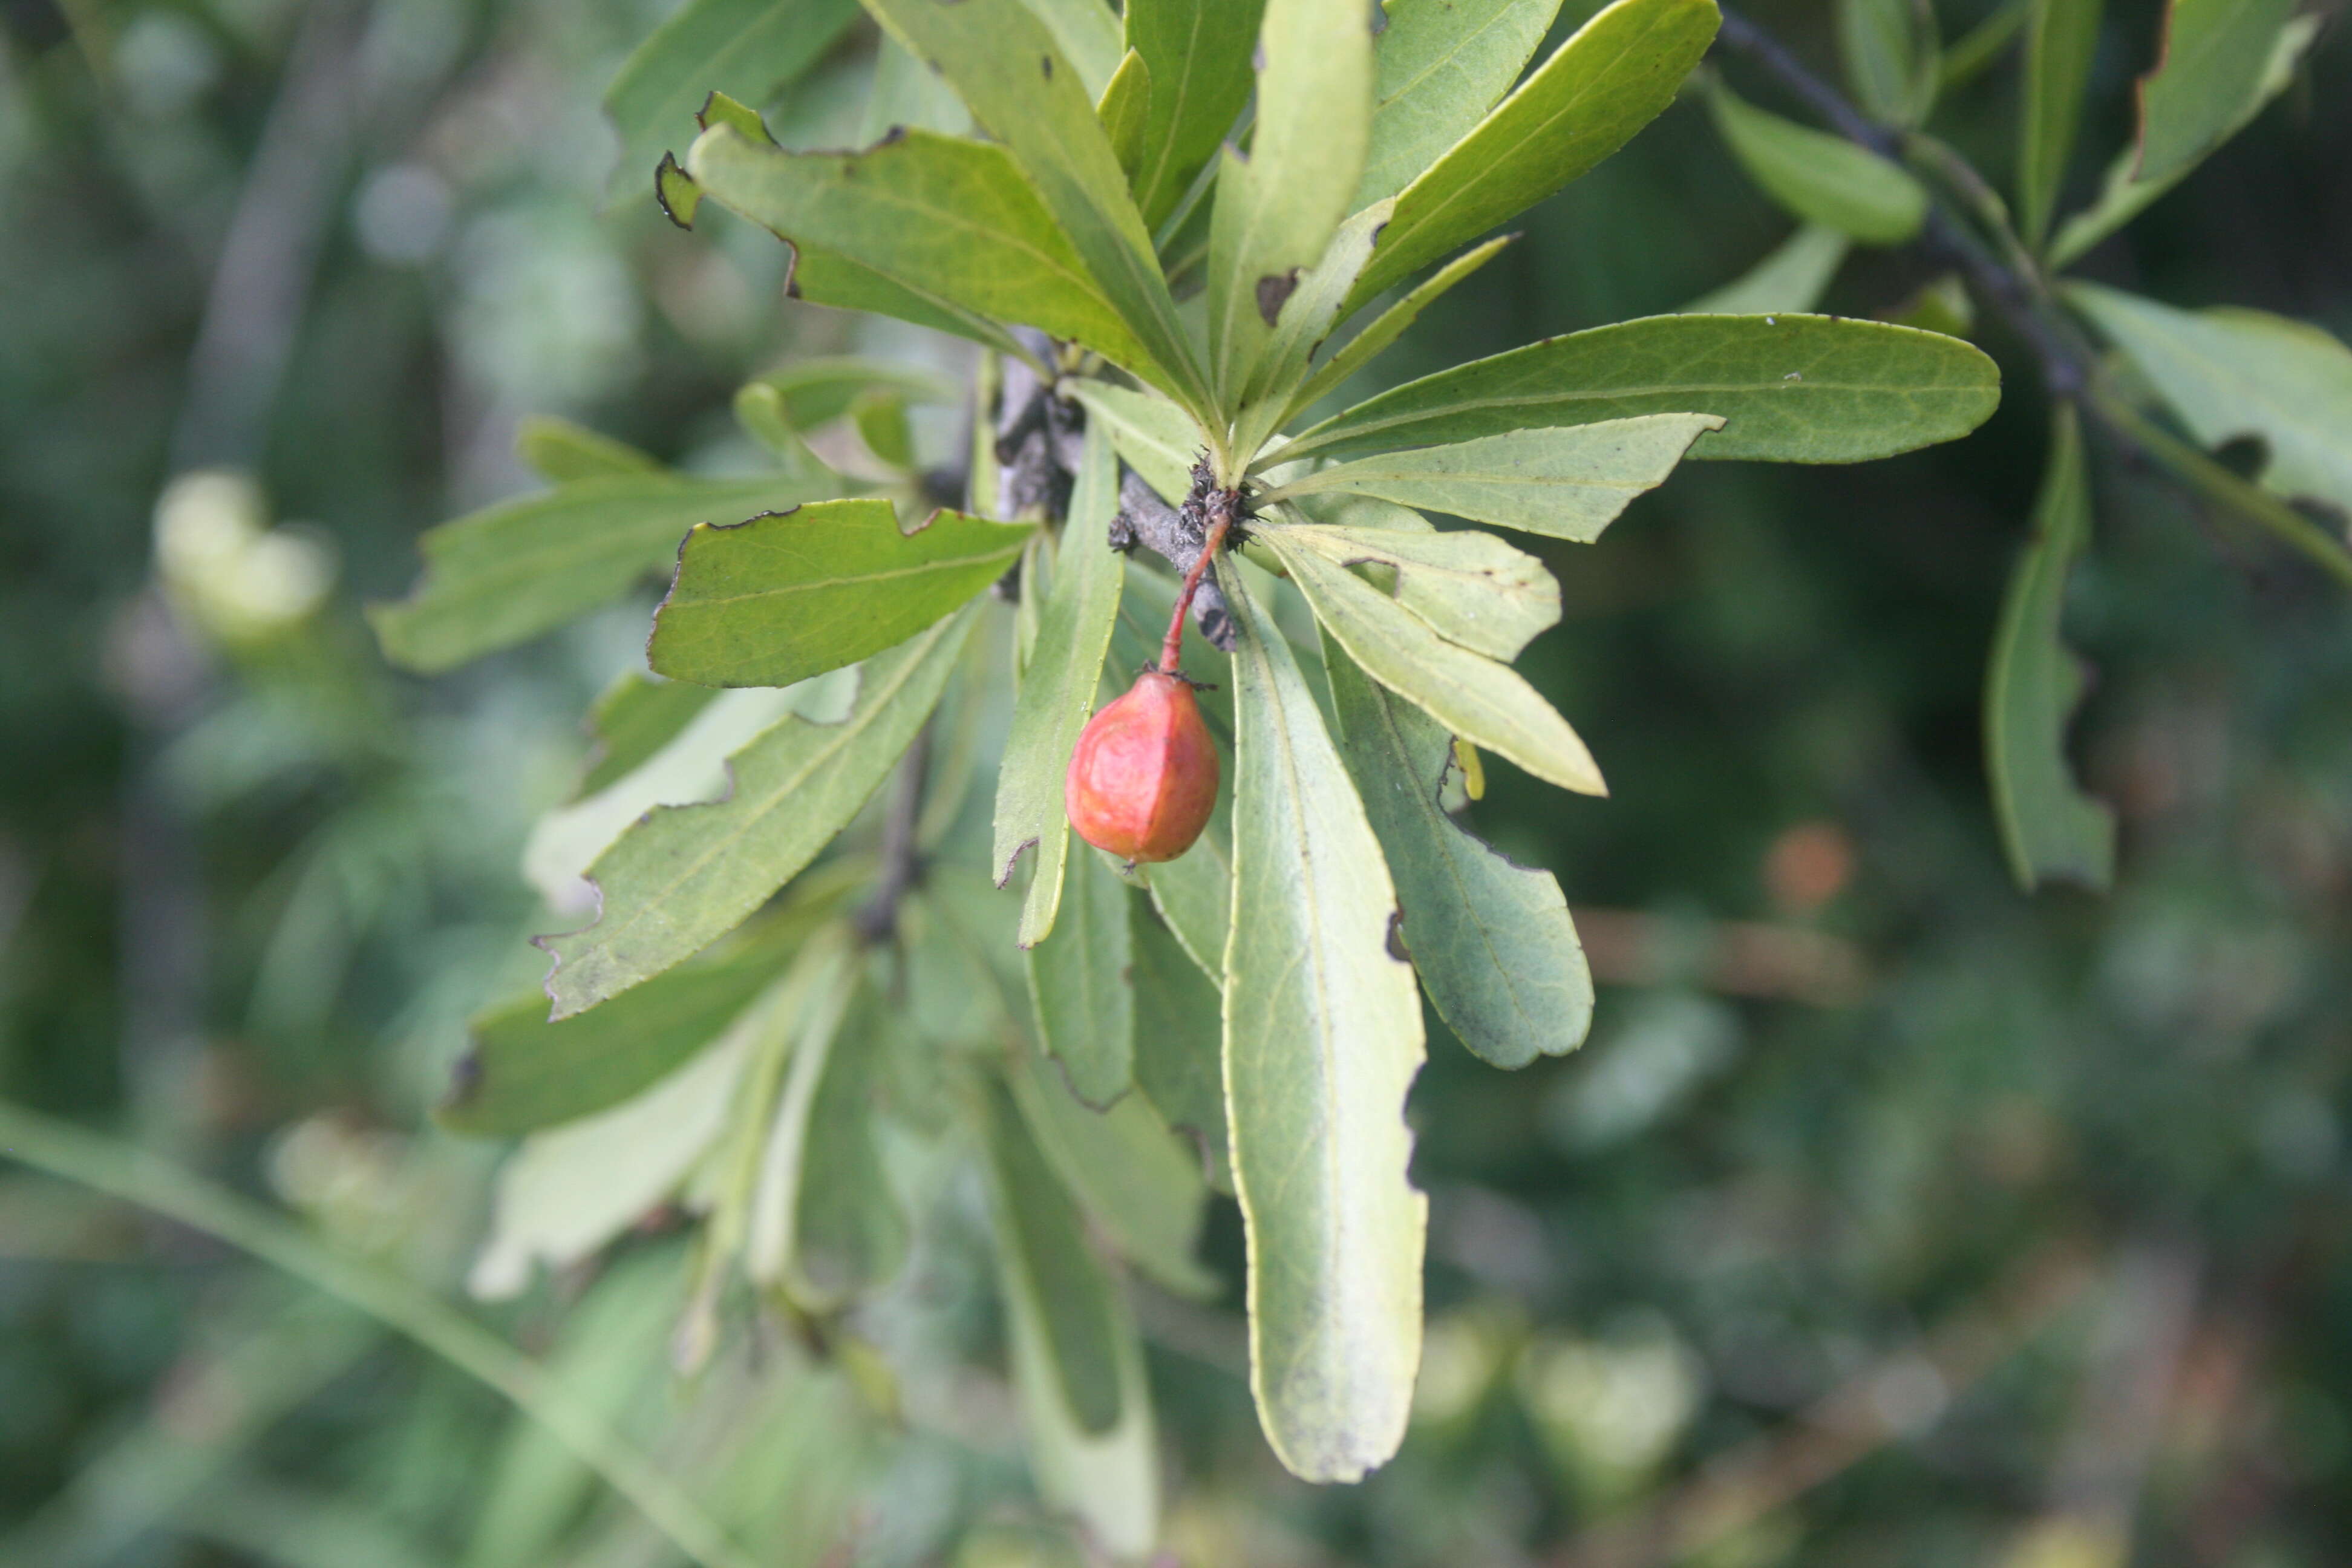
(1492, 941)
(1387, 327)
(1890, 49)
(1194, 893)
(1484, 702)
(523, 567)
(1124, 110)
(2128, 190)
(1128, 1169)
(1305, 320)
(1471, 587)
(910, 94)
(685, 874)
(948, 217)
(1820, 178)
(791, 594)
(1158, 439)
(1613, 75)
(749, 49)
(1443, 65)
(634, 718)
(814, 391)
(1087, 34)
(1322, 1041)
(1792, 280)
(2061, 41)
(1568, 482)
(821, 277)
(1004, 62)
(1068, 1325)
(2229, 373)
(1080, 985)
(2214, 56)
(561, 452)
(1056, 695)
(1279, 205)
(1199, 54)
(2051, 830)
(1790, 389)
(1179, 1060)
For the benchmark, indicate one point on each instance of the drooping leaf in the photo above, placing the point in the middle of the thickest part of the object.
(951, 217)
(1387, 327)
(1471, 587)
(1472, 696)
(1892, 56)
(2228, 372)
(2051, 829)
(1127, 1168)
(1492, 941)
(2213, 58)
(1790, 389)
(686, 874)
(2061, 38)
(1080, 985)
(634, 717)
(518, 569)
(1198, 52)
(1057, 688)
(1087, 34)
(789, 596)
(561, 452)
(1443, 65)
(1278, 207)
(1322, 1040)
(1613, 75)
(1568, 482)
(749, 49)
(1179, 1059)
(1820, 178)
(1152, 436)
(1003, 63)
(1792, 280)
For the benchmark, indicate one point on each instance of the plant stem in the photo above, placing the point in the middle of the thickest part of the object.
(136, 1176)
(1221, 518)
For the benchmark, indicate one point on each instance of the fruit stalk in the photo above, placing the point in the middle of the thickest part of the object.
(1221, 518)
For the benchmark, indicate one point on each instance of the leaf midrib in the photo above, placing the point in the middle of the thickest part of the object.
(942, 564)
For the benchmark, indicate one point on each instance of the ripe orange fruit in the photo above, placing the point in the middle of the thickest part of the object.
(1143, 777)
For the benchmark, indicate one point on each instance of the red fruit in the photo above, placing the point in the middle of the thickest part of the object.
(1143, 778)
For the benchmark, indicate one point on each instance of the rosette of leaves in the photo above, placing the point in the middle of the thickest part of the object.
(803, 997)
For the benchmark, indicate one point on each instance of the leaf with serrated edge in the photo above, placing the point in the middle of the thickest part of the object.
(1322, 1040)
(786, 597)
(2051, 830)
(1178, 1061)
(1567, 481)
(1791, 278)
(1387, 327)
(2062, 37)
(1820, 178)
(1154, 436)
(1484, 702)
(2213, 58)
(1443, 65)
(1613, 75)
(686, 874)
(1492, 941)
(1471, 587)
(1080, 985)
(1790, 389)
(1057, 694)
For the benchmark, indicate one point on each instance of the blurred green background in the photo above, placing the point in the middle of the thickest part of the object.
(1890, 1216)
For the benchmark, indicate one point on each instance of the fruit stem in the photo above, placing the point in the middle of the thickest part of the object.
(1221, 518)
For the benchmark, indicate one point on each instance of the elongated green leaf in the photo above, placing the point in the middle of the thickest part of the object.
(1193, 893)
(561, 452)
(2215, 52)
(1156, 438)
(1198, 52)
(1484, 702)
(1792, 280)
(811, 392)
(1790, 389)
(1087, 34)
(1080, 985)
(791, 594)
(1613, 76)
(1126, 111)
(1891, 56)
(1179, 1058)
(1820, 178)
(1077, 1357)
(949, 218)
(907, 94)
(1128, 1169)
(2062, 37)
(1278, 207)
(634, 718)
(1471, 587)
(1443, 65)
(1305, 320)
(1387, 327)
(686, 874)
(747, 50)
(2128, 190)
(2229, 373)
(1492, 941)
(1057, 688)
(1568, 482)
(1322, 1040)
(2051, 830)
(821, 278)
(522, 568)
(1004, 62)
